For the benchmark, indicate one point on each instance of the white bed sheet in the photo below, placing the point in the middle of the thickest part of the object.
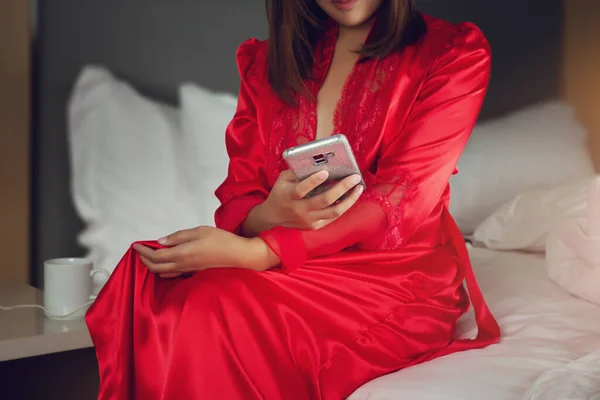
(544, 329)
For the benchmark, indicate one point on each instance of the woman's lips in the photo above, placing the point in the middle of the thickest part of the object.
(344, 5)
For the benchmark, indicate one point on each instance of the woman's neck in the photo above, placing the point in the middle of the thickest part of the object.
(353, 38)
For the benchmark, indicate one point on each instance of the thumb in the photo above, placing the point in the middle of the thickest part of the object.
(179, 237)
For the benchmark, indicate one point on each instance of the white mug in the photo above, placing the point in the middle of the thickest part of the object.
(68, 287)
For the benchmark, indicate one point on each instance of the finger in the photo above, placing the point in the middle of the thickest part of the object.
(332, 195)
(307, 185)
(157, 268)
(171, 275)
(321, 224)
(287, 176)
(333, 212)
(160, 256)
(179, 237)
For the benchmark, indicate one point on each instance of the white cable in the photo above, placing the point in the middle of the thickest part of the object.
(64, 316)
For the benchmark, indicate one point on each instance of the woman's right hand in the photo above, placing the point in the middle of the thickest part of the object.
(288, 206)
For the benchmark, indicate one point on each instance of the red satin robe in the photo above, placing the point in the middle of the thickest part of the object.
(378, 290)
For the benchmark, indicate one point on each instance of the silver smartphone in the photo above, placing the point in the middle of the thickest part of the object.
(332, 154)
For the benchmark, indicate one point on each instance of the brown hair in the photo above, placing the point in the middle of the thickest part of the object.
(295, 25)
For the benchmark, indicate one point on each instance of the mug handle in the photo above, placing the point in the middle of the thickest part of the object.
(93, 273)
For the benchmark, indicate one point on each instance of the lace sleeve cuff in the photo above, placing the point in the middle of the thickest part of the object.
(390, 193)
(289, 246)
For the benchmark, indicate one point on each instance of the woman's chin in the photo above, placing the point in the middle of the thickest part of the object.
(350, 13)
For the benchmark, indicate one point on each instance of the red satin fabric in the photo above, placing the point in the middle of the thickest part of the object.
(376, 291)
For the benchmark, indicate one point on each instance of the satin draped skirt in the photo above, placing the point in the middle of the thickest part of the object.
(318, 332)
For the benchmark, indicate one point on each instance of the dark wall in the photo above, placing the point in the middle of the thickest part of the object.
(526, 40)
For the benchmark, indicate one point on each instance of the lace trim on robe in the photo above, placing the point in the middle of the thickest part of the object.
(358, 113)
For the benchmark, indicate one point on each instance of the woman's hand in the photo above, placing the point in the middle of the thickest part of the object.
(205, 247)
(288, 206)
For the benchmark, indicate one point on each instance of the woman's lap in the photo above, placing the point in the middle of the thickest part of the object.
(319, 332)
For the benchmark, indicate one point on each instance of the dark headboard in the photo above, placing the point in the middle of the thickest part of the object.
(157, 44)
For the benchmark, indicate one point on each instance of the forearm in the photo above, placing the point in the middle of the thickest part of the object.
(363, 225)
(365, 221)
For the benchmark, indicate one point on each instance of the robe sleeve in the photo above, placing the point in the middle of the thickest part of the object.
(415, 166)
(245, 186)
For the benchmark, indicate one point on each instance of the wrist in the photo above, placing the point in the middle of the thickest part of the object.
(258, 255)
(268, 217)
(259, 219)
(252, 224)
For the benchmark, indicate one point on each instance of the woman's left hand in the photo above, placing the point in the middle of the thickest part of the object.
(193, 250)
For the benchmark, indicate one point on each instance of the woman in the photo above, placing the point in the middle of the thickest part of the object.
(309, 298)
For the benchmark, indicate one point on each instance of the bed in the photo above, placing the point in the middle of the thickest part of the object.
(546, 332)
(115, 52)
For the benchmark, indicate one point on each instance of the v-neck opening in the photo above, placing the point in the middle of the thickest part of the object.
(327, 49)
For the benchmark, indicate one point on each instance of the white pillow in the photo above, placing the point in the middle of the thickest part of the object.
(127, 181)
(204, 118)
(523, 223)
(539, 145)
(573, 251)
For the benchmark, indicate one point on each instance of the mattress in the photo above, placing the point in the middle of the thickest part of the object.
(546, 334)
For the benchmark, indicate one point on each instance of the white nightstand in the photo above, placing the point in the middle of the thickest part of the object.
(28, 332)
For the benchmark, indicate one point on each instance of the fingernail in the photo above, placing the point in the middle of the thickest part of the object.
(322, 174)
(355, 179)
(359, 189)
(162, 240)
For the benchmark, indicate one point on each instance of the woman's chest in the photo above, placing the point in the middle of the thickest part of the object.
(371, 102)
